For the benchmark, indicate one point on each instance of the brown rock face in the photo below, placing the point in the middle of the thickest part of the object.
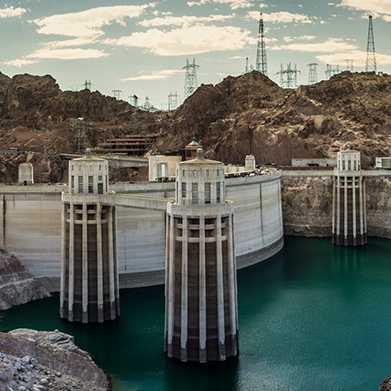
(241, 115)
(31, 360)
(17, 285)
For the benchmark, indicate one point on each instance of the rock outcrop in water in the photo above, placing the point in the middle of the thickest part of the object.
(46, 361)
(17, 286)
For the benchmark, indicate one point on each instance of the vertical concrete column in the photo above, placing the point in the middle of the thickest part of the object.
(345, 205)
(85, 264)
(220, 289)
(71, 261)
(112, 277)
(333, 218)
(63, 252)
(361, 208)
(232, 282)
(365, 205)
(4, 222)
(354, 209)
(99, 261)
(184, 289)
(171, 292)
(166, 270)
(338, 205)
(280, 208)
(261, 214)
(114, 215)
(202, 291)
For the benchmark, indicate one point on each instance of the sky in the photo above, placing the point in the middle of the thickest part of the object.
(140, 47)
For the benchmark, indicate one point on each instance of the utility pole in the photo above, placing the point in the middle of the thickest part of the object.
(261, 61)
(371, 64)
(331, 70)
(147, 104)
(288, 76)
(117, 94)
(172, 101)
(246, 69)
(313, 73)
(133, 99)
(191, 79)
(349, 65)
(87, 85)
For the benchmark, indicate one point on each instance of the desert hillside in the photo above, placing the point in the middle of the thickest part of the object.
(241, 115)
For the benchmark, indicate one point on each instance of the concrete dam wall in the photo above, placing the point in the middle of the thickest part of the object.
(31, 227)
(307, 203)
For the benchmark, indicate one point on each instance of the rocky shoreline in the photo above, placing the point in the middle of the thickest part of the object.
(47, 361)
(17, 285)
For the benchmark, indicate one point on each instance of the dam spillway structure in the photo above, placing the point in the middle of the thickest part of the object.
(201, 291)
(349, 223)
(89, 272)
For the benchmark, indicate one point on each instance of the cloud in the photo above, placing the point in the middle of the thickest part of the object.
(19, 63)
(11, 12)
(376, 6)
(359, 57)
(186, 40)
(157, 75)
(234, 4)
(289, 39)
(331, 45)
(88, 23)
(183, 20)
(283, 17)
(49, 53)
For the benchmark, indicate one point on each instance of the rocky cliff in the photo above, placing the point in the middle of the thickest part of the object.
(307, 205)
(17, 286)
(46, 361)
(244, 114)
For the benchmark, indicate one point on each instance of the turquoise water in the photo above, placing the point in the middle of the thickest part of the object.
(314, 317)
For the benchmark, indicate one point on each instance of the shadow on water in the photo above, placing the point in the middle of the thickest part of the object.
(312, 317)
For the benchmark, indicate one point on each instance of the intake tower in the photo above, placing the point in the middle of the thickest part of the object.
(349, 202)
(89, 272)
(201, 294)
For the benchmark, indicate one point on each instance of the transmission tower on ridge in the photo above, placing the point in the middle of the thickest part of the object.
(313, 73)
(288, 76)
(349, 65)
(117, 94)
(172, 101)
(371, 64)
(331, 70)
(246, 69)
(87, 85)
(261, 61)
(191, 79)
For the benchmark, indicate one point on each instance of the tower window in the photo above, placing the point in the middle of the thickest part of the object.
(80, 183)
(183, 190)
(90, 184)
(73, 183)
(218, 192)
(207, 193)
(194, 193)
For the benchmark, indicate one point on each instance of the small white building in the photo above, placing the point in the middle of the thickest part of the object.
(310, 162)
(383, 163)
(162, 166)
(26, 174)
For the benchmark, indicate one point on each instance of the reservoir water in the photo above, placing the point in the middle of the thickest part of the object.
(314, 317)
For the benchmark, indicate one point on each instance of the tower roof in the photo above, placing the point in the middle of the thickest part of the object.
(200, 159)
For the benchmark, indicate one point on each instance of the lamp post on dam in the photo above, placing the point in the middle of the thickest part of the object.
(349, 201)
(201, 292)
(89, 272)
